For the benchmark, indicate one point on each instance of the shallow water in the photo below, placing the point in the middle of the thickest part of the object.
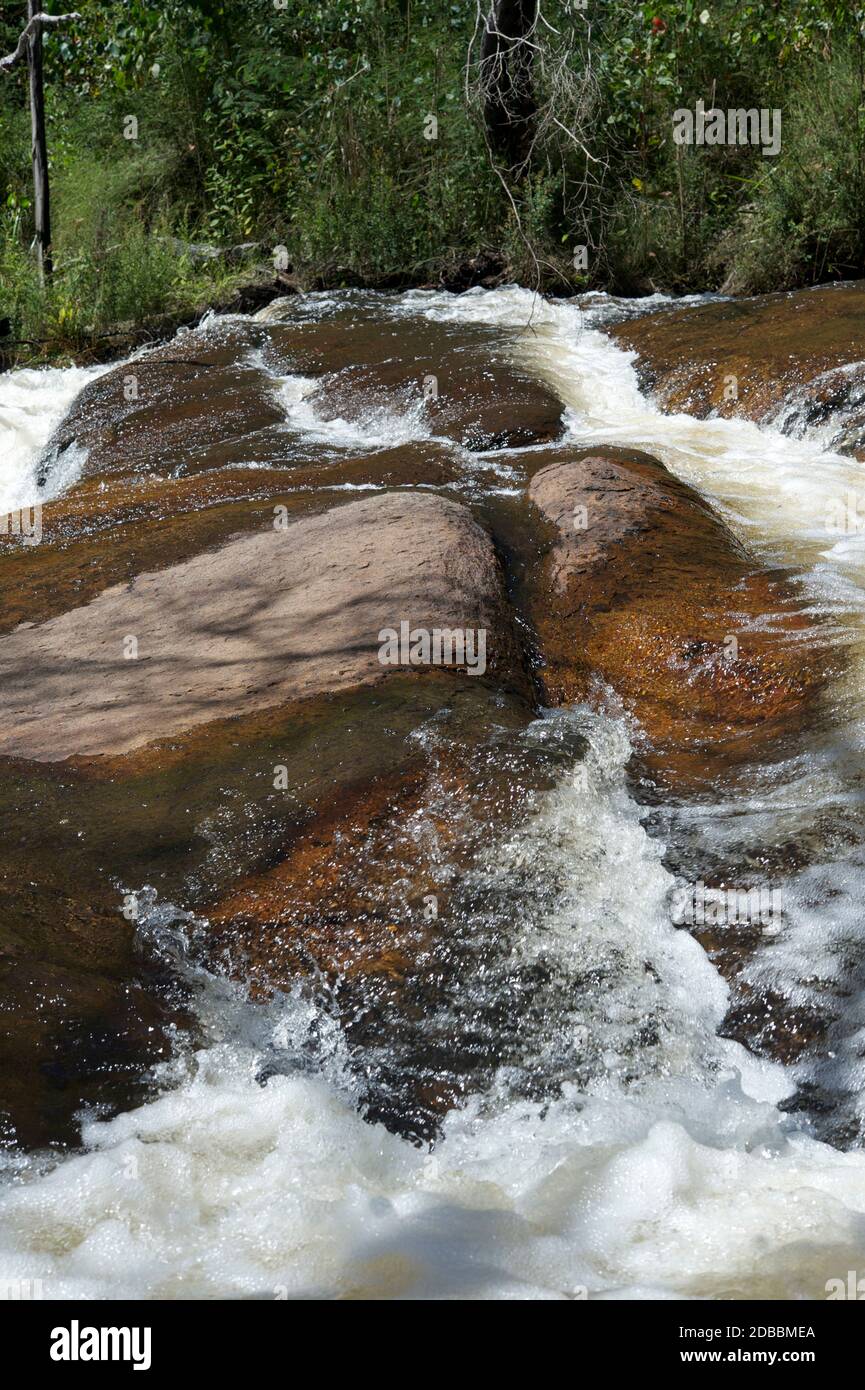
(620, 1146)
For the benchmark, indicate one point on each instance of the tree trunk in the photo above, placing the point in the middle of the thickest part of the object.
(506, 74)
(41, 204)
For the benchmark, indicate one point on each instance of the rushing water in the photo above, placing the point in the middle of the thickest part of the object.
(32, 403)
(665, 1160)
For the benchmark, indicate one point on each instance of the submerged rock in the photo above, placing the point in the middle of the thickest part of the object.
(750, 357)
(458, 379)
(223, 395)
(85, 1014)
(834, 403)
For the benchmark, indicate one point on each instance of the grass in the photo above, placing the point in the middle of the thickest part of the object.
(138, 278)
(327, 155)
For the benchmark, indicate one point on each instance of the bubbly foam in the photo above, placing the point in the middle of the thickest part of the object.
(33, 401)
(378, 427)
(668, 1171)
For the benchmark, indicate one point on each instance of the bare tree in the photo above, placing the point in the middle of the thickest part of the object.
(507, 54)
(30, 45)
(534, 89)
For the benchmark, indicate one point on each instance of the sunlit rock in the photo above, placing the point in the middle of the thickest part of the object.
(644, 588)
(751, 357)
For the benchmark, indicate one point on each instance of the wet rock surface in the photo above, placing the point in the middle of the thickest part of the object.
(171, 523)
(752, 357)
(221, 395)
(165, 410)
(460, 379)
(320, 816)
(645, 589)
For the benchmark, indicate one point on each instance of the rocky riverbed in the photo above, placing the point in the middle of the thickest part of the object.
(291, 851)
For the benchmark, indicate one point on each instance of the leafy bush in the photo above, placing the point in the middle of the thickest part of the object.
(805, 221)
(303, 123)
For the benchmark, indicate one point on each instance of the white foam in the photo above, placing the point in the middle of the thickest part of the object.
(224, 1188)
(681, 1179)
(376, 427)
(33, 401)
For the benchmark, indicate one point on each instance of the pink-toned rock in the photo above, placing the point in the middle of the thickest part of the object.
(267, 618)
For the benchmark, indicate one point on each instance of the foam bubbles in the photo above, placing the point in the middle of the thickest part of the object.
(33, 401)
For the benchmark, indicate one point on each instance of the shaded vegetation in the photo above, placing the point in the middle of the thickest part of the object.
(306, 126)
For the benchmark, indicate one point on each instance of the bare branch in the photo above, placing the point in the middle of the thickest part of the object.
(39, 21)
(553, 68)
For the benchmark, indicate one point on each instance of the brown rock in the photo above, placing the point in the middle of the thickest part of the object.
(269, 617)
(363, 899)
(775, 345)
(645, 589)
(164, 411)
(97, 536)
(481, 399)
(240, 650)
(210, 398)
(257, 656)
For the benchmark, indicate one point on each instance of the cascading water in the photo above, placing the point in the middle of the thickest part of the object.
(624, 1148)
(32, 402)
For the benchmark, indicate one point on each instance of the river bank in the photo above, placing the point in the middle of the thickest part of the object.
(241, 291)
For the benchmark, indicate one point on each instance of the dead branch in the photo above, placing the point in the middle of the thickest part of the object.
(39, 21)
(534, 91)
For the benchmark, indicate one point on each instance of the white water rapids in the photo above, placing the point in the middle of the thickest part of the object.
(689, 1180)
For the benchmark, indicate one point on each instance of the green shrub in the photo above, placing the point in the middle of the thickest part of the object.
(805, 218)
(304, 124)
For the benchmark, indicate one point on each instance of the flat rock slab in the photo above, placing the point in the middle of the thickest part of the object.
(99, 535)
(772, 347)
(269, 617)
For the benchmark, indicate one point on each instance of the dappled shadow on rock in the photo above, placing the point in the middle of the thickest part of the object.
(97, 536)
(285, 612)
(187, 765)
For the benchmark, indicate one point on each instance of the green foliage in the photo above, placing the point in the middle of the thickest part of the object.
(302, 122)
(805, 221)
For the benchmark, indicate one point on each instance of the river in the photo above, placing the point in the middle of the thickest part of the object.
(668, 1160)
